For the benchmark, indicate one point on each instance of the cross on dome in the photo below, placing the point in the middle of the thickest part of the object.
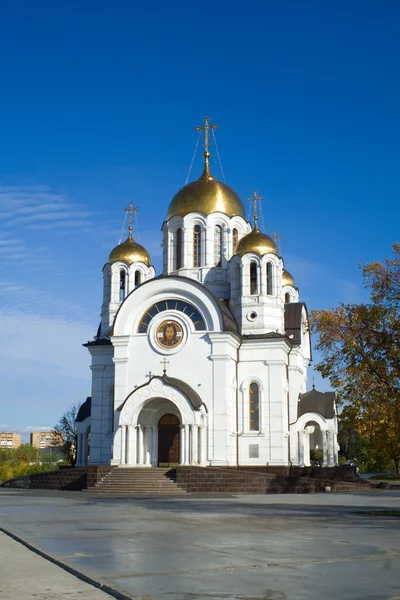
(131, 210)
(255, 199)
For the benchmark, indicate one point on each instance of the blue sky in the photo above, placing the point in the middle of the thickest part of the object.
(98, 107)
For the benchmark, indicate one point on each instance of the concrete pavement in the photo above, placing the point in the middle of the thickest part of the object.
(25, 575)
(297, 547)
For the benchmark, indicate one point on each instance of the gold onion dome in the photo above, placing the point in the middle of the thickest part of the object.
(256, 242)
(287, 278)
(130, 252)
(206, 195)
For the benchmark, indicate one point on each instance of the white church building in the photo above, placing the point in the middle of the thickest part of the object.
(206, 363)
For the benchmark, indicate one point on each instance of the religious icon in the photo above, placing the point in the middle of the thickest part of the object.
(169, 334)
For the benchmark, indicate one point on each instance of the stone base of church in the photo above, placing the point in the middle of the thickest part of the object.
(209, 480)
(266, 480)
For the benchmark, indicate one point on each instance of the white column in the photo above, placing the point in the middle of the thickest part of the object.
(330, 449)
(208, 246)
(123, 444)
(154, 456)
(148, 445)
(203, 446)
(140, 446)
(132, 456)
(194, 444)
(301, 448)
(186, 437)
(182, 446)
(324, 449)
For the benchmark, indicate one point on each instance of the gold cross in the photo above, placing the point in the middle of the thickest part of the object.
(130, 209)
(164, 363)
(254, 199)
(276, 236)
(206, 129)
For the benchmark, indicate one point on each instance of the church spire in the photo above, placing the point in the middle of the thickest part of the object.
(255, 199)
(206, 128)
(131, 210)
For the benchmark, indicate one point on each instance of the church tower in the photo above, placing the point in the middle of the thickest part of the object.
(205, 221)
(128, 267)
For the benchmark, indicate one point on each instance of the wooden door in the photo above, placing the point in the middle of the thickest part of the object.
(168, 441)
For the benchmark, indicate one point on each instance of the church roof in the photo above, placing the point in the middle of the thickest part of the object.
(322, 403)
(85, 410)
(293, 317)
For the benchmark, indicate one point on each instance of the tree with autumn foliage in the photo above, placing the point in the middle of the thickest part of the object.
(360, 347)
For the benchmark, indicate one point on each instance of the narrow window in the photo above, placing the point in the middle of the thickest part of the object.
(138, 278)
(197, 246)
(217, 245)
(122, 285)
(269, 279)
(287, 298)
(235, 239)
(178, 261)
(254, 400)
(111, 416)
(253, 278)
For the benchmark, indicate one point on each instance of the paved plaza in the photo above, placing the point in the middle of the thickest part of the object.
(277, 547)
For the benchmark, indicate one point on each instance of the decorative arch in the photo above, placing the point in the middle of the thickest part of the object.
(157, 388)
(161, 288)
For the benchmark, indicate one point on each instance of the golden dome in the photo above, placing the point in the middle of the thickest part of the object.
(257, 242)
(130, 252)
(287, 279)
(206, 195)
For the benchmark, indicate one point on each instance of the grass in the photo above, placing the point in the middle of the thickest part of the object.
(386, 477)
(380, 513)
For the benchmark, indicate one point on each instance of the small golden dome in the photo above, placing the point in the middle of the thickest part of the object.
(257, 242)
(130, 252)
(287, 279)
(206, 195)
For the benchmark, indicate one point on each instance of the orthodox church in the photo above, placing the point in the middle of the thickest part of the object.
(206, 363)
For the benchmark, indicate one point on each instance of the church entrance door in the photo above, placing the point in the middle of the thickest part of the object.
(168, 441)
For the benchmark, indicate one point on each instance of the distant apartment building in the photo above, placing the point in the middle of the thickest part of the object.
(10, 440)
(46, 439)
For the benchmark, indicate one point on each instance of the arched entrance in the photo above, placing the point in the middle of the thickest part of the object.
(168, 441)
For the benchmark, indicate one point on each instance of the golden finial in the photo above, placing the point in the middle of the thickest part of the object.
(313, 382)
(164, 363)
(206, 127)
(276, 237)
(255, 199)
(130, 209)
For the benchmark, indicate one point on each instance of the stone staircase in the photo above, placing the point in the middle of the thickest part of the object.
(139, 481)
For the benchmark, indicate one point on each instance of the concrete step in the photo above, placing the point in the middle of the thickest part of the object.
(139, 481)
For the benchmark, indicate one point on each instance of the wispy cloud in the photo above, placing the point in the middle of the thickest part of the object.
(40, 208)
(24, 428)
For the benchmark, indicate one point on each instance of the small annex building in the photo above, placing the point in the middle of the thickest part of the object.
(205, 363)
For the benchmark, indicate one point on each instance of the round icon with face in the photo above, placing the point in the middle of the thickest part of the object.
(169, 334)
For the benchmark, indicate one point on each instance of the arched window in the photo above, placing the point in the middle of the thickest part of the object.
(235, 239)
(217, 245)
(138, 278)
(254, 403)
(122, 285)
(197, 246)
(253, 278)
(178, 255)
(287, 298)
(269, 279)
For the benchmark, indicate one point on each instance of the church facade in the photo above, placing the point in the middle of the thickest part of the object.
(206, 363)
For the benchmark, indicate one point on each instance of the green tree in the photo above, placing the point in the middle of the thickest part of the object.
(360, 347)
(66, 427)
